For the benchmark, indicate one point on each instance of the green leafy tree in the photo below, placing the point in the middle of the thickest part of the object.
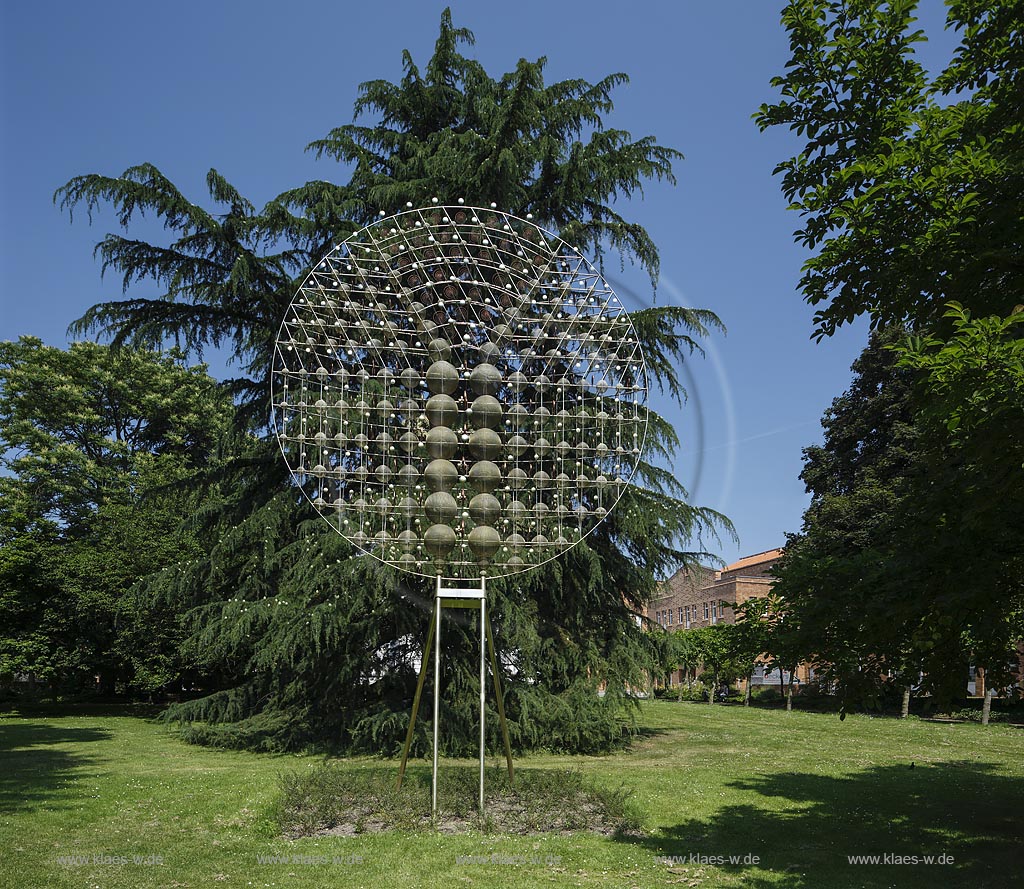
(843, 579)
(971, 384)
(909, 188)
(448, 130)
(40, 641)
(787, 643)
(664, 655)
(893, 574)
(676, 650)
(749, 638)
(686, 657)
(714, 647)
(94, 443)
(308, 642)
(908, 185)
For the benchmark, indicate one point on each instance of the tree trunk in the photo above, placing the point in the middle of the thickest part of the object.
(986, 707)
(905, 706)
(107, 684)
(782, 685)
(746, 694)
(789, 692)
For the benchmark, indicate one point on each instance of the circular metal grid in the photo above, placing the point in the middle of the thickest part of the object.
(459, 392)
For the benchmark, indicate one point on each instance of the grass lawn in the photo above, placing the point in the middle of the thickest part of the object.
(81, 795)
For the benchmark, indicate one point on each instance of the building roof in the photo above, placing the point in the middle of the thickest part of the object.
(767, 556)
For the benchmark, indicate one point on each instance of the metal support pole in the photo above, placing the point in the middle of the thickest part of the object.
(458, 598)
(416, 700)
(501, 702)
(437, 694)
(483, 681)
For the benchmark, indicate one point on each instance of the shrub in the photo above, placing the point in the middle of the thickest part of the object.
(766, 694)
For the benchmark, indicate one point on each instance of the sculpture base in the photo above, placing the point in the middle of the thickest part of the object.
(458, 597)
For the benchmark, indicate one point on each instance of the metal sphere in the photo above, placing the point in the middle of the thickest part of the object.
(484, 509)
(485, 444)
(442, 443)
(485, 379)
(440, 507)
(441, 475)
(457, 391)
(442, 378)
(439, 540)
(485, 476)
(486, 410)
(439, 349)
(484, 541)
(442, 410)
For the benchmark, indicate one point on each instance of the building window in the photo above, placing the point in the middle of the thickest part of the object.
(706, 613)
(680, 621)
(714, 612)
(669, 617)
(687, 613)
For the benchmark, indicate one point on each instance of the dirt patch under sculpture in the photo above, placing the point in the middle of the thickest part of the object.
(336, 799)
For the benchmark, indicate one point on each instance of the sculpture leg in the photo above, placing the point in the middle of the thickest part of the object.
(501, 702)
(483, 688)
(437, 695)
(416, 700)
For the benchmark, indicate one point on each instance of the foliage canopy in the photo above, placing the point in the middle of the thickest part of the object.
(96, 445)
(908, 185)
(909, 189)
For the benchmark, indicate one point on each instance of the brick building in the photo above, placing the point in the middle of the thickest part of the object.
(692, 597)
(700, 597)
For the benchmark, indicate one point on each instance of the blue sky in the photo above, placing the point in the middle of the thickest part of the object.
(243, 87)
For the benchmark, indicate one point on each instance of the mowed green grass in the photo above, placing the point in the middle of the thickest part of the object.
(800, 791)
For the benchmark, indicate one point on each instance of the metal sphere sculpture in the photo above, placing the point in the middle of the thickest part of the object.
(459, 392)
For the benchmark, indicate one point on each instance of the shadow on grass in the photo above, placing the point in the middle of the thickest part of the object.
(92, 707)
(806, 826)
(646, 733)
(35, 773)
